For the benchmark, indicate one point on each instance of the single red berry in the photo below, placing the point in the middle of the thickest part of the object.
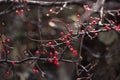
(56, 63)
(55, 58)
(117, 28)
(71, 31)
(35, 70)
(107, 27)
(8, 40)
(93, 23)
(63, 39)
(7, 52)
(50, 60)
(75, 52)
(12, 62)
(68, 35)
(21, 10)
(96, 34)
(17, 12)
(49, 43)
(55, 53)
(51, 53)
(61, 33)
(37, 52)
(78, 16)
(71, 49)
(67, 42)
(91, 18)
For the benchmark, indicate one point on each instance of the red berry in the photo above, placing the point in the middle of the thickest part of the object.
(51, 11)
(96, 34)
(37, 52)
(12, 62)
(8, 40)
(49, 43)
(107, 27)
(78, 16)
(55, 53)
(117, 28)
(50, 60)
(67, 42)
(21, 10)
(68, 35)
(35, 70)
(7, 52)
(75, 52)
(91, 18)
(56, 63)
(55, 58)
(63, 39)
(93, 23)
(17, 12)
(71, 31)
(61, 33)
(51, 53)
(71, 49)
